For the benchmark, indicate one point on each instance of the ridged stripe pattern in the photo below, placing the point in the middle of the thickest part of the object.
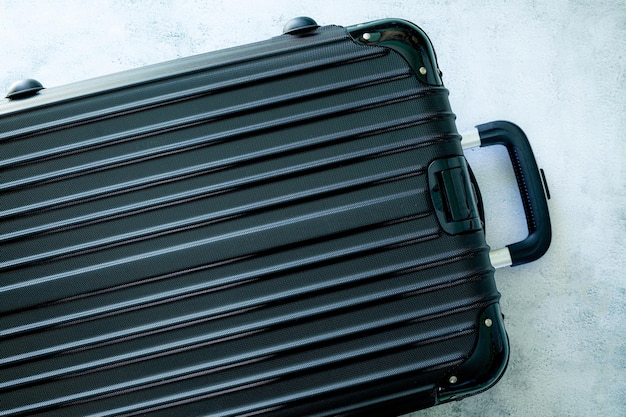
(249, 233)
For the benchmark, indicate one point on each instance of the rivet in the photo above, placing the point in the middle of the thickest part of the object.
(453, 379)
(488, 322)
(367, 36)
(423, 70)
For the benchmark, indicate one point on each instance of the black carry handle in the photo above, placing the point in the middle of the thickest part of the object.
(530, 181)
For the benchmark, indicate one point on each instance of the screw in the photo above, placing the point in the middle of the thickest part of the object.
(367, 36)
(423, 70)
(488, 322)
(453, 379)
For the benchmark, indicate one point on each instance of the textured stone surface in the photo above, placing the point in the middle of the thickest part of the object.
(557, 68)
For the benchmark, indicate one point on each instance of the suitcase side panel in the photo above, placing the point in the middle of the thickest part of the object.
(251, 233)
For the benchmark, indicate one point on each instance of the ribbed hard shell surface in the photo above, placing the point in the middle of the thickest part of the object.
(246, 232)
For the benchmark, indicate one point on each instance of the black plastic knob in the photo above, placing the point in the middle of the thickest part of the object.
(300, 25)
(24, 89)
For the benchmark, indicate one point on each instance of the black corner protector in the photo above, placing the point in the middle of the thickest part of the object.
(405, 38)
(487, 363)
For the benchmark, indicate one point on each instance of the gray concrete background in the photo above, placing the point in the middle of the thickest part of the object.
(557, 68)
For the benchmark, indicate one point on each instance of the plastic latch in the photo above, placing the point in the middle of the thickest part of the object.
(453, 195)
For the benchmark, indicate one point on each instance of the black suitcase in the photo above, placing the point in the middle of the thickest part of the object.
(285, 228)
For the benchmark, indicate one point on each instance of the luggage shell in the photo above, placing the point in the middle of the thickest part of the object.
(284, 228)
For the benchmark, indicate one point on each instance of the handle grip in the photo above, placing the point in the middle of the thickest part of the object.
(531, 185)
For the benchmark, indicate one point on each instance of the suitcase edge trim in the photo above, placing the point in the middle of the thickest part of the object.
(485, 366)
(405, 38)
